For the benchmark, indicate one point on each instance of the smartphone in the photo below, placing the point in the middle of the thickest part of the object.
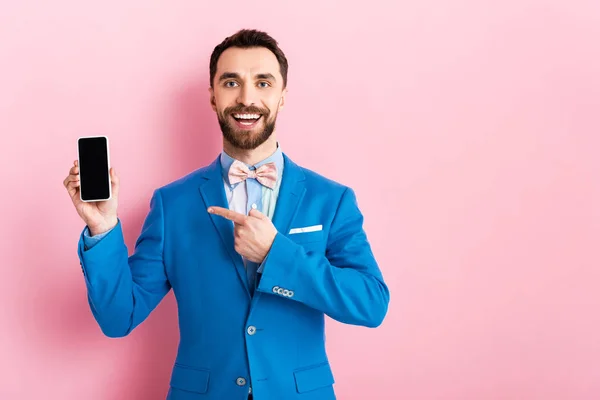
(94, 168)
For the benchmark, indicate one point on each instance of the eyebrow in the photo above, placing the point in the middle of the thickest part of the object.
(228, 75)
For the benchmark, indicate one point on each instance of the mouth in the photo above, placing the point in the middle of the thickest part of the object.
(246, 121)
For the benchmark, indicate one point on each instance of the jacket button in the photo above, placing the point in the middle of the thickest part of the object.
(240, 381)
(251, 330)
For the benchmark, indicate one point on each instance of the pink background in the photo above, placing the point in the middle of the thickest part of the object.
(485, 114)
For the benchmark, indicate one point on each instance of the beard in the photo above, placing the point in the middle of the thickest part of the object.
(246, 139)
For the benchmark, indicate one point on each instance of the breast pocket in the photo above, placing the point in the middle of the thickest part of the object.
(306, 237)
(312, 242)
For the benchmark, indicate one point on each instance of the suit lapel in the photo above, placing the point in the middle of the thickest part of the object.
(290, 193)
(212, 191)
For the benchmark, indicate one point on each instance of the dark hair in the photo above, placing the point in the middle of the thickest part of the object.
(247, 38)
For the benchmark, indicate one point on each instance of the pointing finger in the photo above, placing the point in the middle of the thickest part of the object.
(229, 214)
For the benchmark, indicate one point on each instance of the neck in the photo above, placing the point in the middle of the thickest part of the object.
(253, 156)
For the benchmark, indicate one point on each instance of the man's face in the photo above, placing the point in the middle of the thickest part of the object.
(247, 95)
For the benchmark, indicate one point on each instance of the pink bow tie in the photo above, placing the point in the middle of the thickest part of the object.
(266, 174)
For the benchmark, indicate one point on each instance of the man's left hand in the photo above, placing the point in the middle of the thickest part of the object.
(253, 233)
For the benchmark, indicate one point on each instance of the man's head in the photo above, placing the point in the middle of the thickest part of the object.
(248, 79)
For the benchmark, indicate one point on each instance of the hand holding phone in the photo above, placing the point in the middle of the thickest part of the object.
(93, 185)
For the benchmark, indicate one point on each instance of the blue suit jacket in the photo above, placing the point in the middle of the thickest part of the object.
(273, 340)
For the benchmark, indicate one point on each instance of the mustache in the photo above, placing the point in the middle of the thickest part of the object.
(246, 110)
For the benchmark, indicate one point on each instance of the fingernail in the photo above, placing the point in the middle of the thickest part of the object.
(210, 209)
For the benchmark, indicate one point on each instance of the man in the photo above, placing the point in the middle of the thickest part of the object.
(256, 249)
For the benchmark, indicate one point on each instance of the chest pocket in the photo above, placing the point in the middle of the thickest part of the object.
(307, 237)
(313, 242)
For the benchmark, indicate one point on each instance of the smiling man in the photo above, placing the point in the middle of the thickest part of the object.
(257, 249)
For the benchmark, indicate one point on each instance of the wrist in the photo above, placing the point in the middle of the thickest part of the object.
(103, 228)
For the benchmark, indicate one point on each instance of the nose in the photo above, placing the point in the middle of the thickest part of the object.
(247, 95)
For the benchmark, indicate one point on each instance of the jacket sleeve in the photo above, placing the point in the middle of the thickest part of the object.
(90, 241)
(345, 283)
(122, 290)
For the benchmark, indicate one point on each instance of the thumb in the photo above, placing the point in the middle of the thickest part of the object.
(114, 181)
(256, 214)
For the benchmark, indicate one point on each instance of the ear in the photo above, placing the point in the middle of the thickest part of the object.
(282, 99)
(213, 102)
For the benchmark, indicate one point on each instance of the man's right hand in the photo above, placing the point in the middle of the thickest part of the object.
(100, 216)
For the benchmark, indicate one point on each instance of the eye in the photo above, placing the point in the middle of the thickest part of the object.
(266, 84)
(227, 83)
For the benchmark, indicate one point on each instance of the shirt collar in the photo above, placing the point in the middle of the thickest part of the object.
(227, 160)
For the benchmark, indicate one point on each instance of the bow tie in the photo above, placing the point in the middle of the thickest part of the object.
(266, 174)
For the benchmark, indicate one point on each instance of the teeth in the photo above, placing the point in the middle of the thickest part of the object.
(246, 116)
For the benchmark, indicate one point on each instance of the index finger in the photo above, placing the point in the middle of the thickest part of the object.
(229, 214)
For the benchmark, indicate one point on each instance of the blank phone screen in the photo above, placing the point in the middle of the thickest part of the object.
(93, 168)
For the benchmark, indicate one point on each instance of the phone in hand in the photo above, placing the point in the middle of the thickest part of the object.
(94, 168)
